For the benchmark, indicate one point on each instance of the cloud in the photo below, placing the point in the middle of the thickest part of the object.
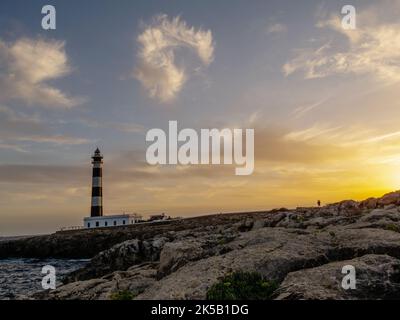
(18, 127)
(13, 147)
(55, 139)
(353, 137)
(126, 127)
(300, 111)
(276, 28)
(14, 124)
(382, 137)
(306, 147)
(25, 67)
(350, 146)
(159, 44)
(373, 48)
(36, 174)
(317, 131)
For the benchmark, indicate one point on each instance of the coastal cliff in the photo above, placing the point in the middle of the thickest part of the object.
(302, 251)
(86, 243)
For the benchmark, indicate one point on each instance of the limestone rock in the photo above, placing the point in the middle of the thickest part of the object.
(273, 253)
(390, 198)
(377, 277)
(370, 203)
(176, 254)
(349, 207)
(183, 259)
(119, 257)
(135, 280)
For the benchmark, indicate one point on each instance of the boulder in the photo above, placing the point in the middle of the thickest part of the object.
(349, 207)
(135, 280)
(273, 219)
(176, 254)
(389, 198)
(381, 214)
(377, 277)
(370, 203)
(119, 257)
(258, 223)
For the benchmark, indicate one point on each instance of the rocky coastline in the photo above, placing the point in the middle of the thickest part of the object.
(303, 250)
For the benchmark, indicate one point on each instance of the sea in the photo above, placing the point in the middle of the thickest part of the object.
(19, 278)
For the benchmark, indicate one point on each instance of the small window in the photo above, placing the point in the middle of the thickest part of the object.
(123, 221)
(105, 223)
(88, 225)
(115, 223)
(97, 223)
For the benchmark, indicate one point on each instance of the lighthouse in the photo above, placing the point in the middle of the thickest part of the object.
(96, 219)
(97, 188)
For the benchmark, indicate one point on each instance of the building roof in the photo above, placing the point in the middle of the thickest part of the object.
(115, 216)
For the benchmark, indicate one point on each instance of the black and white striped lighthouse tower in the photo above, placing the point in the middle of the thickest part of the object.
(97, 190)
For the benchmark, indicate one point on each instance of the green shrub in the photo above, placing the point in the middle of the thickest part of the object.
(122, 295)
(242, 286)
(221, 241)
(392, 227)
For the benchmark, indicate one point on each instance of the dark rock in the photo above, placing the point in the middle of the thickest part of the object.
(135, 280)
(389, 198)
(120, 257)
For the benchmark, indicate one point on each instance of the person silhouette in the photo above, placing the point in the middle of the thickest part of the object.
(319, 203)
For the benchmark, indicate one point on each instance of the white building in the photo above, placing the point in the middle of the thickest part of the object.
(111, 220)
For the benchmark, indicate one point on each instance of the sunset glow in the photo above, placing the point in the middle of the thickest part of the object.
(323, 102)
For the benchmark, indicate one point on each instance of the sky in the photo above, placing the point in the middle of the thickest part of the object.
(323, 101)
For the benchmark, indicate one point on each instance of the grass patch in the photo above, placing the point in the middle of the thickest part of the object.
(242, 286)
(393, 227)
(122, 295)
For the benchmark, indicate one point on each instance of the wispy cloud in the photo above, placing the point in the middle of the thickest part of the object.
(317, 131)
(386, 136)
(276, 28)
(18, 127)
(342, 136)
(55, 139)
(13, 147)
(14, 124)
(25, 67)
(373, 48)
(19, 117)
(119, 126)
(157, 69)
(300, 111)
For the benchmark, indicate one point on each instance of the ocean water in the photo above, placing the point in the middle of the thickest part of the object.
(19, 278)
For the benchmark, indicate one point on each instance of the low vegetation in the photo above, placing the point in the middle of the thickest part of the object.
(242, 286)
(122, 295)
(393, 227)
